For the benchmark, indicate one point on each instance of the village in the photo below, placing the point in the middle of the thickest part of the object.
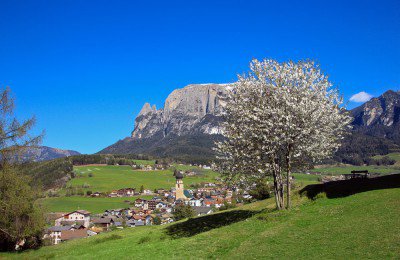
(159, 210)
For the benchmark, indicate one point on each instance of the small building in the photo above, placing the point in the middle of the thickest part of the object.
(104, 223)
(54, 233)
(203, 210)
(75, 217)
(73, 234)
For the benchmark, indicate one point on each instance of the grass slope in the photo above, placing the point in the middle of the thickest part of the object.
(360, 226)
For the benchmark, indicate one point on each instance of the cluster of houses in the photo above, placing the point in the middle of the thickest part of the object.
(141, 212)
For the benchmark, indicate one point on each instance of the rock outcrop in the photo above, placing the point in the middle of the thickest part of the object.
(192, 109)
(383, 110)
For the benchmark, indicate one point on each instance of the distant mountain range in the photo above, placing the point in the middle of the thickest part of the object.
(189, 123)
(45, 153)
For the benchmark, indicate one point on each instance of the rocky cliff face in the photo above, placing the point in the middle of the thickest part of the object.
(192, 109)
(185, 128)
(383, 110)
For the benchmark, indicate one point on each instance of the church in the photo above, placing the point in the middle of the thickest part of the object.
(179, 189)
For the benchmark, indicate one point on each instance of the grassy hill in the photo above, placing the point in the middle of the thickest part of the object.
(364, 225)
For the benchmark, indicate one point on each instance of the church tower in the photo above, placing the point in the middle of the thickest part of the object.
(179, 186)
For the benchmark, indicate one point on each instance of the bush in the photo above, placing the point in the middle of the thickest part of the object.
(261, 191)
(157, 220)
(183, 211)
(88, 193)
(144, 240)
(321, 195)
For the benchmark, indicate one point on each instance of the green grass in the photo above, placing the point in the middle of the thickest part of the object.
(108, 178)
(305, 179)
(94, 205)
(145, 162)
(362, 226)
(337, 170)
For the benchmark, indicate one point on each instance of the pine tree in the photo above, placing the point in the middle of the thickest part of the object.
(20, 221)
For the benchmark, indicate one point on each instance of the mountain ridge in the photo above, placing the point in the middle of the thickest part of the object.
(45, 153)
(189, 124)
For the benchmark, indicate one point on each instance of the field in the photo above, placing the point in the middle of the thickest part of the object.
(94, 205)
(108, 178)
(145, 162)
(361, 226)
(305, 179)
(337, 170)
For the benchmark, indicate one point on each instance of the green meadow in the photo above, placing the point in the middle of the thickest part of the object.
(362, 226)
(346, 169)
(94, 205)
(108, 178)
(145, 162)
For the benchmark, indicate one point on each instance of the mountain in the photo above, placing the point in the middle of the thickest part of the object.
(189, 124)
(376, 129)
(379, 116)
(45, 153)
(185, 127)
(192, 109)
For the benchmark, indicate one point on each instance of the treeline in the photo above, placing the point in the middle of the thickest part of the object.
(48, 174)
(358, 148)
(111, 159)
(55, 173)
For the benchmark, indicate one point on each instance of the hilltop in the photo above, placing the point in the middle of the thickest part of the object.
(364, 225)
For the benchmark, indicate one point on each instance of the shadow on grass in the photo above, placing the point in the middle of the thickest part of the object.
(344, 188)
(198, 225)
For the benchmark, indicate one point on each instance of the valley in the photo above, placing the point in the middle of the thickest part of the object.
(321, 228)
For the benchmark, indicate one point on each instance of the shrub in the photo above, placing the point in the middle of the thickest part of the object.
(144, 240)
(321, 195)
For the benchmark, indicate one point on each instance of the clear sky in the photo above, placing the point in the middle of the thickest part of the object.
(85, 68)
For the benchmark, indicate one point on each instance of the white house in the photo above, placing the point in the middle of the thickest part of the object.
(195, 202)
(55, 233)
(79, 216)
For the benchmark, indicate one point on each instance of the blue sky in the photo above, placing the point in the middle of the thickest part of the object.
(85, 68)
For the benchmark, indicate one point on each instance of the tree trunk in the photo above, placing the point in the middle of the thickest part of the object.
(278, 189)
(278, 192)
(288, 180)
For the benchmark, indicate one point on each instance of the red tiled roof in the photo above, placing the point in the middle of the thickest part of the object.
(72, 234)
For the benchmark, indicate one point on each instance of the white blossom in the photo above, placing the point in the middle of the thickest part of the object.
(277, 116)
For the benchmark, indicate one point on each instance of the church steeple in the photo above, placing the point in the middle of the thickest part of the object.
(179, 192)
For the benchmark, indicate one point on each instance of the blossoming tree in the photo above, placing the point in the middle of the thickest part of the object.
(280, 116)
